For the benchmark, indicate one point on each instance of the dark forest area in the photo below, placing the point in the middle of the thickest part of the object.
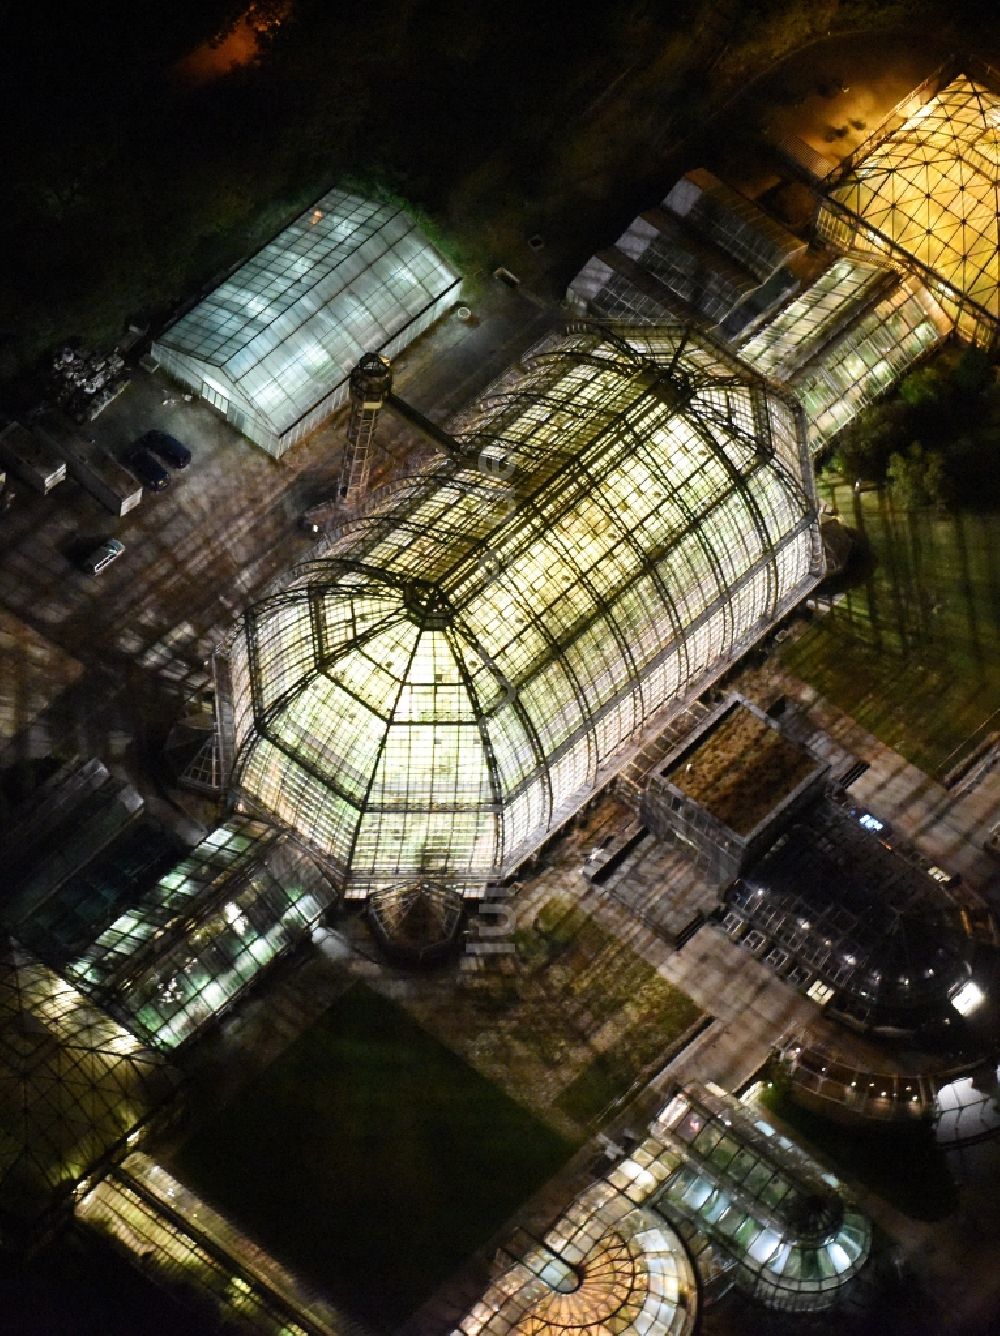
(130, 183)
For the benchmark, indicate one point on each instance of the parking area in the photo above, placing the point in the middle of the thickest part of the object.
(196, 553)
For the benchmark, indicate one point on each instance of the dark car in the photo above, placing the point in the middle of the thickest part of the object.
(168, 447)
(101, 557)
(146, 467)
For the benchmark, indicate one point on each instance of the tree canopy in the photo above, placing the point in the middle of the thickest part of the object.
(129, 186)
(936, 441)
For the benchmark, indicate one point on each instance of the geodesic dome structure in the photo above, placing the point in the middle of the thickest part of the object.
(925, 190)
(625, 515)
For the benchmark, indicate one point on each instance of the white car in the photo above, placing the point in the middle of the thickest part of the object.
(102, 557)
(945, 878)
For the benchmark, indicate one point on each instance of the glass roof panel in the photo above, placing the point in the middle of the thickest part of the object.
(288, 325)
(931, 187)
(440, 660)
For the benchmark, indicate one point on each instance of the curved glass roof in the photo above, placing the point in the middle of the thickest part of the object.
(758, 1198)
(931, 188)
(73, 1085)
(289, 324)
(606, 1267)
(456, 672)
(889, 944)
(614, 1261)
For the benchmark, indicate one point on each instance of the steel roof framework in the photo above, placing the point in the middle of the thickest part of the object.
(925, 191)
(460, 663)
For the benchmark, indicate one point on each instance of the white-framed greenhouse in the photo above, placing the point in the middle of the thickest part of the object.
(272, 347)
(460, 670)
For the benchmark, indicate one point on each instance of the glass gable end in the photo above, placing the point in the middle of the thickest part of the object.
(867, 359)
(283, 332)
(454, 675)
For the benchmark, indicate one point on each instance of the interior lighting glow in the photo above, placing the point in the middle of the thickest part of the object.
(430, 698)
(929, 189)
(278, 338)
(967, 998)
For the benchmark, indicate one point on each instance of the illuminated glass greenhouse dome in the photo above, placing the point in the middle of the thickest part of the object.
(924, 189)
(464, 665)
(607, 1267)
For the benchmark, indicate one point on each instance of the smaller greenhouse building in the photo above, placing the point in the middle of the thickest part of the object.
(273, 345)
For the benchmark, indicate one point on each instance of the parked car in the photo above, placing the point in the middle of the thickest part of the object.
(102, 556)
(146, 467)
(868, 821)
(168, 447)
(945, 877)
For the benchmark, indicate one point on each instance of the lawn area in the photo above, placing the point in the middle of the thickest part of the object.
(902, 1164)
(370, 1158)
(600, 978)
(912, 652)
(667, 1014)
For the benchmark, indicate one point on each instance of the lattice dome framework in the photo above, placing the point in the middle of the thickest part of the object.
(606, 1268)
(925, 189)
(626, 514)
(73, 1086)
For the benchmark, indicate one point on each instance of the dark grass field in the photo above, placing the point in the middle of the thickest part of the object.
(371, 1159)
(912, 652)
(604, 978)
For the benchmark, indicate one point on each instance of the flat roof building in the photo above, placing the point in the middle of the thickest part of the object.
(730, 788)
(860, 926)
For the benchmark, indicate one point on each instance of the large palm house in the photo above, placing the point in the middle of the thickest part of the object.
(462, 667)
